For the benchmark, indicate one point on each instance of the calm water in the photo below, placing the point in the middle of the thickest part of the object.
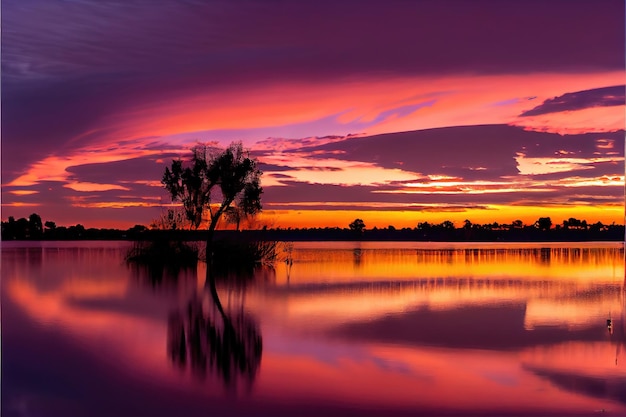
(347, 329)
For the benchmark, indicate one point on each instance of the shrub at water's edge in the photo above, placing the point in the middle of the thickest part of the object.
(229, 255)
(242, 255)
(163, 252)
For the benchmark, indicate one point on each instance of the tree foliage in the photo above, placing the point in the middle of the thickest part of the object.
(358, 225)
(215, 180)
(543, 223)
(35, 226)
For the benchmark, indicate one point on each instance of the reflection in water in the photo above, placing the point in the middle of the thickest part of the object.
(519, 261)
(160, 277)
(209, 338)
(610, 387)
(418, 329)
(576, 367)
(617, 330)
(357, 257)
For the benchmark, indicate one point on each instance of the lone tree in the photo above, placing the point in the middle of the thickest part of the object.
(215, 180)
(357, 226)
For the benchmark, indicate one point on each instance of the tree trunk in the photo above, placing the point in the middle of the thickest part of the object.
(210, 273)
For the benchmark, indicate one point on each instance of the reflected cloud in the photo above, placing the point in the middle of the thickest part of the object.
(497, 327)
(608, 387)
(387, 284)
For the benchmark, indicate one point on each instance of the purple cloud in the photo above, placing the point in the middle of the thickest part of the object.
(598, 97)
(470, 152)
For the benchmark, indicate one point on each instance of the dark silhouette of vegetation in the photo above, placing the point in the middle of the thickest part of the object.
(31, 229)
(159, 277)
(216, 182)
(220, 182)
(568, 230)
(35, 226)
(543, 223)
(162, 253)
(357, 226)
(541, 230)
(230, 177)
(242, 255)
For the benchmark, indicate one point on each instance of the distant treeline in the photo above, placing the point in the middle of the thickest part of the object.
(449, 233)
(34, 229)
(542, 230)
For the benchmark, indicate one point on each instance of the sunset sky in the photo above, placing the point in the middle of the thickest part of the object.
(396, 112)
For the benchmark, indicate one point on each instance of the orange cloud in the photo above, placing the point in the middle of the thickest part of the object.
(20, 204)
(116, 204)
(90, 186)
(23, 192)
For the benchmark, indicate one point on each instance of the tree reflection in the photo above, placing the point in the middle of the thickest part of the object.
(617, 328)
(158, 276)
(357, 253)
(207, 338)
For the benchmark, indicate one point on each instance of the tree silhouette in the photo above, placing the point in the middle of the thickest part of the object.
(230, 345)
(543, 223)
(517, 224)
(357, 226)
(424, 226)
(573, 223)
(231, 172)
(35, 226)
(447, 225)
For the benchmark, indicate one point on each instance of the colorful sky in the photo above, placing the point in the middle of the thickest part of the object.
(396, 112)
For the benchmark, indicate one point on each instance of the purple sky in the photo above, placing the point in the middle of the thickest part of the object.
(526, 99)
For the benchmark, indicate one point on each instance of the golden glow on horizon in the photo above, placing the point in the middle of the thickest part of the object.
(607, 214)
(373, 204)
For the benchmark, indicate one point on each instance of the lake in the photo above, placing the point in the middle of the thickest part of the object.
(344, 328)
